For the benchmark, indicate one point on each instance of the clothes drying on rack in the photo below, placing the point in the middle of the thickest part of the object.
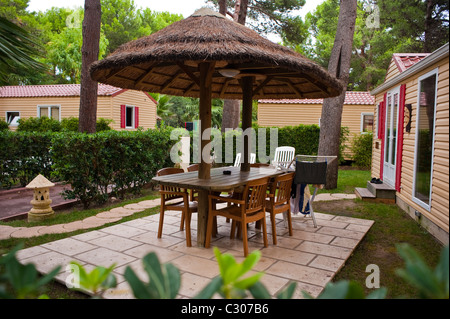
(300, 197)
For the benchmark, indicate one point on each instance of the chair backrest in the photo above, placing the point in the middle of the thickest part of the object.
(259, 165)
(281, 188)
(283, 156)
(238, 160)
(192, 168)
(166, 188)
(255, 192)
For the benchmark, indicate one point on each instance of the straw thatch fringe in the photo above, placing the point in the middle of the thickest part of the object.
(167, 61)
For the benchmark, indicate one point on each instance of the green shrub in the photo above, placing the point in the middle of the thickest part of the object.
(124, 161)
(71, 124)
(362, 150)
(3, 125)
(23, 156)
(39, 124)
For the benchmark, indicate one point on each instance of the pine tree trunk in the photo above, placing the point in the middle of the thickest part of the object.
(89, 51)
(231, 108)
(339, 65)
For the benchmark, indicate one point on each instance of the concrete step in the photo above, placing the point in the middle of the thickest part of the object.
(382, 191)
(364, 193)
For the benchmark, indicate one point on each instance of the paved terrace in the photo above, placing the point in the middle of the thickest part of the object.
(311, 257)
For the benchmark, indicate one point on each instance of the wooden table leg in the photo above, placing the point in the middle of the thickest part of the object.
(202, 217)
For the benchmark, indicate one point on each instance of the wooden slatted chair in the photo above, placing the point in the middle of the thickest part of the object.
(186, 207)
(250, 209)
(279, 201)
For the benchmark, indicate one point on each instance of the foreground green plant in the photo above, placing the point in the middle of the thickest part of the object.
(18, 281)
(96, 281)
(432, 284)
(164, 281)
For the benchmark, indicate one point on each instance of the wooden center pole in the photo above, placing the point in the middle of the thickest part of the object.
(247, 105)
(204, 171)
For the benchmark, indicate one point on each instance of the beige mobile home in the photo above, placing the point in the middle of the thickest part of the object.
(128, 109)
(357, 113)
(411, 143)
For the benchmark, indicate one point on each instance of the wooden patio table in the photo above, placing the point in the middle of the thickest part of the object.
(219, 182)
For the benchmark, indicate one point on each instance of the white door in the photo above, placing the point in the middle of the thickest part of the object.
(390, 143)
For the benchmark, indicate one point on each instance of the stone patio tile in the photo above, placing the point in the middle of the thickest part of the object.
(31, 252)
(152, 239)
(315, 237)
(116, 243)
(304, 225)
(140, 223)
(76, 225)
(69, 246)
(327, 263)
(284, 242)
(168, 229)
(122, 212)
(6, 231)
(345, 242)
(89, 235)
(207, 253)
(164, 255)
(150, 203)
(290, 255)
(27, 232)
(136, 207)
(352, 220)
(153, 218)
(94, 221)
(326, 250)
(54, 229)
(48, 261)
(360, 228)
(322, 215)
(196, 265)
(304, 287)
(105, 257)
(136, 266)
(192, 284)
(301, 273)
(123, 230)
(273, 283)
(110, 215)
(331, 223)
(122, 291)
(341, 233)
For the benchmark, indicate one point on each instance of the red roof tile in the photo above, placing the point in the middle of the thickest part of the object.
(351, 98)
(406, 60)
(54, 90)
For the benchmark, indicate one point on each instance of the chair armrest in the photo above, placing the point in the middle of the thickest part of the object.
(226, 199)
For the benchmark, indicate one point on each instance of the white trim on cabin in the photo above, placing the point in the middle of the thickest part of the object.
(419, 80)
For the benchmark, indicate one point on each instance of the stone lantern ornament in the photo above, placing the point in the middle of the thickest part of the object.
(41, 199)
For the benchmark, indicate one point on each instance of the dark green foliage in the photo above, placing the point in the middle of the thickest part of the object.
(39, 124)
(23, 156)
(125, 161)
(362, 150)
(90, 163)
(3, 125)
(21, 281)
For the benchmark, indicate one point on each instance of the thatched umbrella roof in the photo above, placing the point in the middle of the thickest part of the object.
(167, 62)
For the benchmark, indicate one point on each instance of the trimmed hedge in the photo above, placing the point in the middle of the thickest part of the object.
(95, 165)
(362, 150)
(23, 156)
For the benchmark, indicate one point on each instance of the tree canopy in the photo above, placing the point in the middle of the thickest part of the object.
(383, 27)
(54, 37)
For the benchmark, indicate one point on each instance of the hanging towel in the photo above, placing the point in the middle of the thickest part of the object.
(300, 199)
